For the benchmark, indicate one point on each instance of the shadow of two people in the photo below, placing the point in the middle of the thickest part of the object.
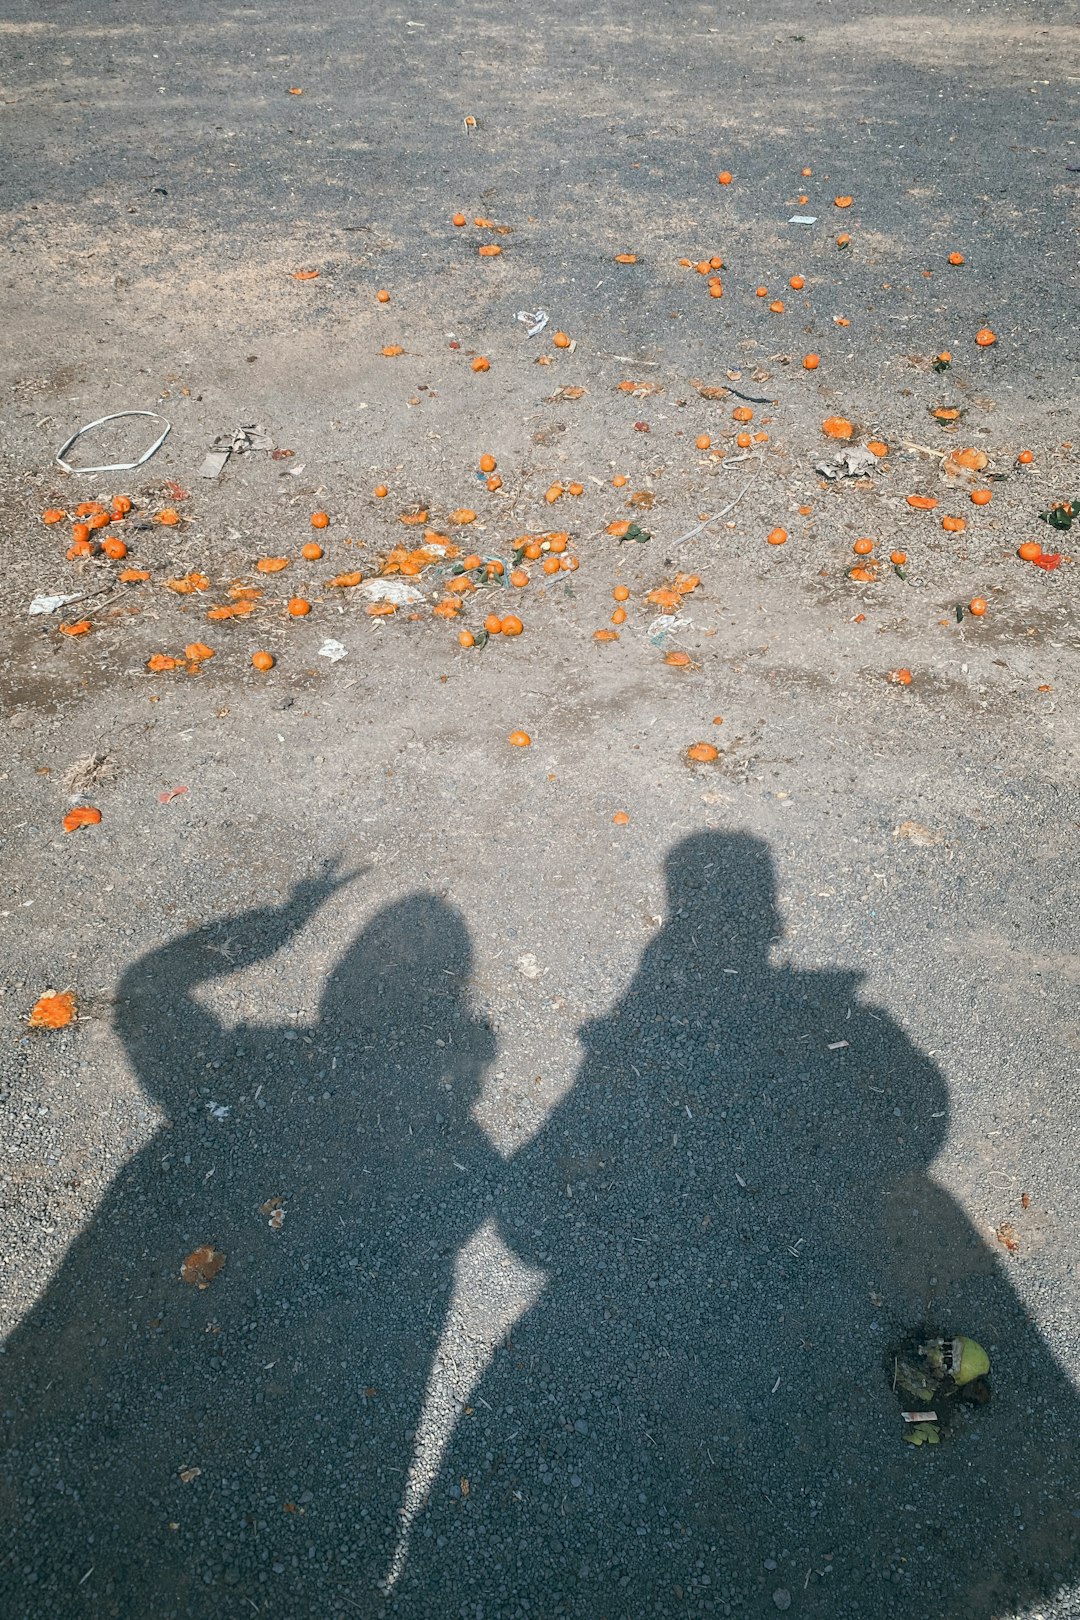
(734, 1216)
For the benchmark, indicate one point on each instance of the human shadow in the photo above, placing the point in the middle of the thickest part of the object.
(176, 1451)
(736, 1206)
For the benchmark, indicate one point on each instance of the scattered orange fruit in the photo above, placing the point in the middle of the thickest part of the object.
(743, 440)
(466, 638)
(487, 463)
(114, 547)
(311, 551)
(900, 677)
(493, 624)
(490, 250)
(133, 576)
(1026, 457)
(519, 739)
(953, 525)
(619, 616)
(977, 606)
(863, 547)
(922, 503)
(843, 239)
(271, 565)
(956, 258)
(463, 514)
(761, 292)
(626, 258)
(843, 202)
(561, 340)
(80, 628)
(511, 625)
(777, 306)
(982, 497)
(678, 659)
(861, 576)
(320, 520)
(262, 661)
(53, 514)
(168, 515)
(898, 558)
(703, 442)
(481, 363)
(724, 177)
(605, 635)
(83, 815)
(742, 413)
(985, 336)
(797, 282)
(157, 663)
(702, 753)
(392, 350)
(811, 362)
(383, 296)
(619, 481)
(1029, 550)
(298, 608)
(459, 219)
(776, 537)
(621, 819)
(970, 460)
(344, 582)
(837, 427)
(877, 447)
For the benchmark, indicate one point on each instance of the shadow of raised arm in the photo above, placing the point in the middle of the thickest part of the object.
(155, 1007)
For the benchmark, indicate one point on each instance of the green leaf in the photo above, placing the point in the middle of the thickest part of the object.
(959, 613)
(1061, 514)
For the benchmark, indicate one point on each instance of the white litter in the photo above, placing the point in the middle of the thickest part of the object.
(534, 320)
(113, 466)
(391, 590)
(334, 650)
(803, 219)
(528, 966)
(49, 604)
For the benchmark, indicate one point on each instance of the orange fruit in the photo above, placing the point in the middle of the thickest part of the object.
(956, 258)
(561, 340)
(320, 520)
(271, 565)
(392, 350)
(481, 363)
(900, 677)
(797, 283)
(626, 258)
(703, 442)
(167, 516)
(724, 177)
(777, 306)
(761, 292)
(114, 547)
(620, 480)
(311, 551)
(702, 753)
(463, 514)
(519, 577)
(619, 616)
(811, 362)
(575, 489)
(511, 625)
(977, 606)
(1029, 550)
(837, 427)
(83, 815)
(81, 627)
(121, 505)
(898, 558)
(53, 514)
(742, 413)
(80, 548)
(383, 296)
(743, 440)
(262, 661)
(87, 508)
(493, 624)
(1026, 457)
(702, 267)
(605, 635)
(493, 483)
(621, 593)
(490, 250)
(922, 503)
(776, 537)
(861, 576)
(466, 638)
(985, 336)
(53, 1011)
(298, 608)
(198, 652)
(877, 447)
(863, 547)
(381, 491)
(621, 819)
(843, 202)
(982, 497)
(551, 565)
(716, 262)
(459, 219)
(843, 239)
(519, 739)
(953, 525)
(557, 542)
(487, 463)
(133, 576)
(715, 289)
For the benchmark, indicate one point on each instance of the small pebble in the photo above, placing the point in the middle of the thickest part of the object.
(782, 1598)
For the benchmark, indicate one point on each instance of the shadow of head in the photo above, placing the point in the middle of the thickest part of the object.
(397, 1005)
(722, 893)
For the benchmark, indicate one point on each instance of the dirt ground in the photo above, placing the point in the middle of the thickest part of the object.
(909, 847)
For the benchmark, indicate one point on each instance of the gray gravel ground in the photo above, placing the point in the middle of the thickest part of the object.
(595, 1238)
